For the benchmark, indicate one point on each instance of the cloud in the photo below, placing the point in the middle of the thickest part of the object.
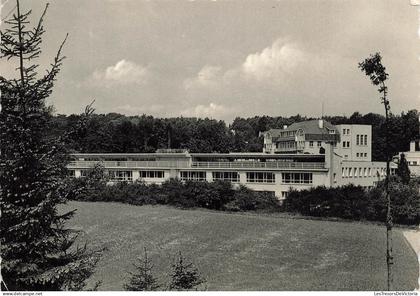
(208, 76)
(281, 58)
(212, 111)
(123, 72)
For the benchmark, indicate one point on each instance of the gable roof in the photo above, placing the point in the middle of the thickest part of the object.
(310, 128)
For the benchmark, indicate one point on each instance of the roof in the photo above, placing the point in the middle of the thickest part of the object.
(310, 128)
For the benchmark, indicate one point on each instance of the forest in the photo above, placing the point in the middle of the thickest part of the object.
(117, 133)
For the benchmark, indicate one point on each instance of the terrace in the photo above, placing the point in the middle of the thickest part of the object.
(201, 164)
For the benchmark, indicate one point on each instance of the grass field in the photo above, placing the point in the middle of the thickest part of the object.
(243, 251)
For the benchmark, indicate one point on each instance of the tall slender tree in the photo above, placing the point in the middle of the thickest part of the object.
(37, 251)
(373, 68)
(403, 171)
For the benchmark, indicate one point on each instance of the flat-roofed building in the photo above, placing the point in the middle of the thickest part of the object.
(276, 173)
(412, 157)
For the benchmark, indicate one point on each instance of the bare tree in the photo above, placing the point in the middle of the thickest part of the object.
(373, 68)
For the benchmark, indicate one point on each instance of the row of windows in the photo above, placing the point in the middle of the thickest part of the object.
(193, 175)
(361, 172)
(297, 178)
(260, 177)
(152, 174)
(361, 140)
(226, 176)
(123, 175)
(361, 154)
(346, 131)
(120, 176)
(346, 144)
(251, 177)
(285, 145)
(311, 143)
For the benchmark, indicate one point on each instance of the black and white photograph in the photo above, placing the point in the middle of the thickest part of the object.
(209, 146)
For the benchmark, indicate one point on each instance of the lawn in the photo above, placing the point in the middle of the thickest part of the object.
(243, 251)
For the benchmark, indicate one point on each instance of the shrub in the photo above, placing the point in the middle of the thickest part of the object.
(356, 203)
(245, 199)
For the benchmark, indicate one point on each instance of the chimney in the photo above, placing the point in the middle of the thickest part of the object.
(320, 123)
(284, 126)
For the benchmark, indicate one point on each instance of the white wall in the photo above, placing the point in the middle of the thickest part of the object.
(354, 149)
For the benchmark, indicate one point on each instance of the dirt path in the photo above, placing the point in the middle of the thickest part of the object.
(413, 237)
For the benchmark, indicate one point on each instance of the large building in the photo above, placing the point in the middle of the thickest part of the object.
(314, 156)
(350, 141)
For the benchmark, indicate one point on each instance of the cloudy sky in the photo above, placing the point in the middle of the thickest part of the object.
(225, 59)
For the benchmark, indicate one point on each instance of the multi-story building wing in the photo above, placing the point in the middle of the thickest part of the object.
(355, 142)
(302, 137)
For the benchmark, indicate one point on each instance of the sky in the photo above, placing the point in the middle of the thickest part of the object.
(223, 59)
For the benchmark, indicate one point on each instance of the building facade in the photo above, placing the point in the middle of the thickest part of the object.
(412, 157)
(328, 164)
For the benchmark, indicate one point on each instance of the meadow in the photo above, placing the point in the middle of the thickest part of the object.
(242, 251)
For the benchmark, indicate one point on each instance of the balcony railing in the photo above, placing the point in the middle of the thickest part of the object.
(206, 165)
(129, 164)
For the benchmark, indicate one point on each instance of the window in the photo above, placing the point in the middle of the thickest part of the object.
(311, 143)
(284, 194)
(319, 143)
(117, 176)
(260, 177)
(365, 154)
(151, 174)
(72, 173)
(346, 156)
(357, 140)
(296, 178)
(226, 176)
(357, 154)
(365, 172)
(83, 173)
(348, 131)
(193, 175)
(348, 144)
(365, 137)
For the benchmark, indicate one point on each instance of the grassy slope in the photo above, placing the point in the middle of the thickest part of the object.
(243, 251)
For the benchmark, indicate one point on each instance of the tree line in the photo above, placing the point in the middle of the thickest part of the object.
(119, 133)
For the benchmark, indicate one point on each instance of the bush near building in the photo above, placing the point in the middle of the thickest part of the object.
(347, 202)
(356, 203)
(219, 195)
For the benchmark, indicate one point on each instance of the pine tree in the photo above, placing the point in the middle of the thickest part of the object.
(37, 251)
(142, 279)
(403, 171)
(185, 275)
